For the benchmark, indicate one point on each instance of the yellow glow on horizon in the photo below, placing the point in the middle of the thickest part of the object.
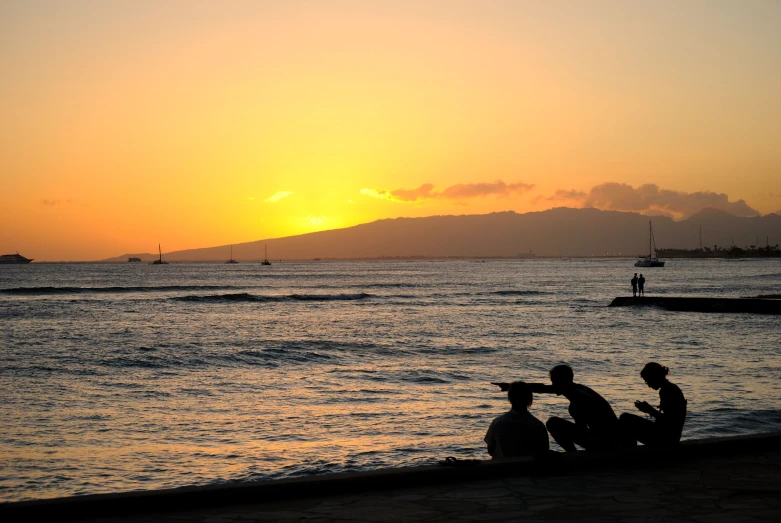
(129, 124)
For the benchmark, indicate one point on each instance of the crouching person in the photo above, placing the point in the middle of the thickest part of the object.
(517, 432)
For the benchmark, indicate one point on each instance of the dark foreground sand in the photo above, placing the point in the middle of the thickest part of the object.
(729, 479)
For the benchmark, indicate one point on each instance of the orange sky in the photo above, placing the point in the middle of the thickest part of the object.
(193, 124)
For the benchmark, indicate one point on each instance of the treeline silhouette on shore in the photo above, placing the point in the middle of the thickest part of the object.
(750, 251)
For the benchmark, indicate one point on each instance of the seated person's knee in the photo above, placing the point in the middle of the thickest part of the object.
(553, 423)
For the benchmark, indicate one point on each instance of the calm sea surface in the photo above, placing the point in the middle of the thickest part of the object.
(132, 376)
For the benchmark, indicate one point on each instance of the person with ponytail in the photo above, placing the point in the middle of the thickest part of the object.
(667, 425)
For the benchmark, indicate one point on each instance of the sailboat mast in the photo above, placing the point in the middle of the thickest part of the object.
(160, 250)
(650, 238)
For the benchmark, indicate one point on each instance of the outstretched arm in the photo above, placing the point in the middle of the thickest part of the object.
(541, 388)
(538, 388)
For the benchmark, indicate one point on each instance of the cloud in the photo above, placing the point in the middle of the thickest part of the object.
(401, 195)
(650, 198)
(50, 202)
(454, 192)
(561, 194)
(274, 198)
(376, 193)
(479, 190)
(421, 193)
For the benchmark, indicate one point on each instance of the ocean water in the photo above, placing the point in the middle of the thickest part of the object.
(117, 377)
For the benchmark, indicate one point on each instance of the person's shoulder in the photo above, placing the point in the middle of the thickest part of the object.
(584, 389)
(671, 390)
(532, 419)
(589, 394)
(494, 426)
(501, 417)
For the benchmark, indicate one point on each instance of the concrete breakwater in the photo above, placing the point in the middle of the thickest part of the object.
(750, 305)
(207, 499)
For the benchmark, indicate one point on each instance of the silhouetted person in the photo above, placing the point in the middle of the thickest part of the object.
(517, 432)
(666, 429)
(633, 281)
(595, 426)
(640, 285)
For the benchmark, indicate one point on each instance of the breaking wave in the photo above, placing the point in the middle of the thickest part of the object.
(519, 293)
(246, 297)
(44, 291)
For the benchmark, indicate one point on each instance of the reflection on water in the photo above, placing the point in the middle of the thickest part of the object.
(119, 377)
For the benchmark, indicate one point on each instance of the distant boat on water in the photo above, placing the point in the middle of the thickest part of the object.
(265, 260)
(651, 260)
(231, 259)
(159, 261)
(133, 259)
(14, 258)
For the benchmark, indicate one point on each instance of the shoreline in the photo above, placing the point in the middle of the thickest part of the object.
(265, 492)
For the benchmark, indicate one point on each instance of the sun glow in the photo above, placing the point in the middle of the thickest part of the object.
(129, 124)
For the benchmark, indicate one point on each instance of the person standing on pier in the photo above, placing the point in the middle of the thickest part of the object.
(640, 285)
(633, 281)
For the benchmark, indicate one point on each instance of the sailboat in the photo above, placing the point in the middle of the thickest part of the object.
(159, 261)
(265, 260)
(651, 260)
(231, 260)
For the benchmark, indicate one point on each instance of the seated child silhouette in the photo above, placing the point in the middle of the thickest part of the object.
(517, 432)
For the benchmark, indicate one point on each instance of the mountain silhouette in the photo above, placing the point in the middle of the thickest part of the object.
(556, 232)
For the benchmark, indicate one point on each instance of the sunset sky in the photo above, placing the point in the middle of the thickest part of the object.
(193, 124)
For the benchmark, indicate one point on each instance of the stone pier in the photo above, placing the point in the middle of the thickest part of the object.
(751, 305)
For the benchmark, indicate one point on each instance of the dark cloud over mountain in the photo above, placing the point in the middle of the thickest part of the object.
(650, 198)
(454, 192)
(561, 194)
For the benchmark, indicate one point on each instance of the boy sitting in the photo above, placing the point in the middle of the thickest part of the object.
(517, 432)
